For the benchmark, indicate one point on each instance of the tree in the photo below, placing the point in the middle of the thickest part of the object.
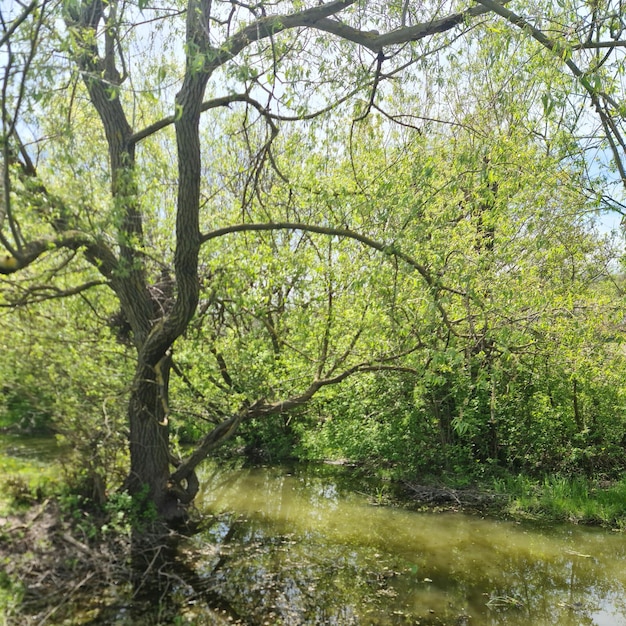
(142, 81)
(531, 309)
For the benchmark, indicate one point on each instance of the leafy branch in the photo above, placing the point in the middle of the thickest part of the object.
(600, 101)
(387, 249)
(261, 408)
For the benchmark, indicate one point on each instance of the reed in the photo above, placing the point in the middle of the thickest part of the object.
(573, 499)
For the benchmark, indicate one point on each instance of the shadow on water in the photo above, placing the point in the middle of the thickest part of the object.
(303, 546)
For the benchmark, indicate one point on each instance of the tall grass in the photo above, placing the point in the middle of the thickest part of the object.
(574, 499)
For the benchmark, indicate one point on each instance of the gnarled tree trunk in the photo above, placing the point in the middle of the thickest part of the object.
(149, 443)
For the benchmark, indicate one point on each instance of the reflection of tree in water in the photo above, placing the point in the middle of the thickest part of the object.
(249, 571)
(274, 563)
(273, 577)
(567, 590)
(260, 576)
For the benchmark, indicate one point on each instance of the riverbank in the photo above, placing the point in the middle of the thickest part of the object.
(274, 526)
(556, 499)
(551, 499)
(31, 472)
(576, 500)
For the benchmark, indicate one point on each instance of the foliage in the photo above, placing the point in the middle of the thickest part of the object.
(213, 221)
(576, 499)
(68, 375)
(11, 596)
(127, 513)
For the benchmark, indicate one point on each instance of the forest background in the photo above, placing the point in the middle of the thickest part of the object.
(352, 230)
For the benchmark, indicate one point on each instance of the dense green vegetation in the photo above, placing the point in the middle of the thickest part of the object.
(295, 237)
(370, 233)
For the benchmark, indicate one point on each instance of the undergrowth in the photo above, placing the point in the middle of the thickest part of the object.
(574, 499)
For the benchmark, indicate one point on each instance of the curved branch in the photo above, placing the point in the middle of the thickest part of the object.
(206, 106)
(261, 408)
(324, 230)
(388, 249)
(268, 26)
(376, 42)
(319, 18)
(96, 251)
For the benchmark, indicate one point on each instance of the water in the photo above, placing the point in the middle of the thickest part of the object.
(303, 546)
(34, 451)
(298, 548)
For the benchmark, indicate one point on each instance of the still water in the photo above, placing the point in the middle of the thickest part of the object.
(301, 547)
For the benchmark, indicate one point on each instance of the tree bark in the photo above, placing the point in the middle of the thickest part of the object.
(150, 460)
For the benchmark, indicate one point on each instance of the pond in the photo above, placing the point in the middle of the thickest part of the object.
(301, 547)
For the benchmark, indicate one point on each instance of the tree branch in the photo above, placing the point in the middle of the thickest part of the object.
(594, 45)
(261, 408)
(388, 249)
(16, 23)
(317, 17)
(376, 42)
(271, 25)
(206, 106)
(324, 230)
(562, 51)
(41, 293)
(536, 34)
(71, 240)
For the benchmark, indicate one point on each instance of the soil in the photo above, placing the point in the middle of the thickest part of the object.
(56, 570)
(46, 562)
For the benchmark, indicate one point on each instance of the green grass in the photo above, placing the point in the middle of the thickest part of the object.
(26, 472)
(576, 499)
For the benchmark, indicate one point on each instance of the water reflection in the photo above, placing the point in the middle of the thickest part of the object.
(300, 549)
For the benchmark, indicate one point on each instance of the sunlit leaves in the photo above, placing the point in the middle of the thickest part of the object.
(472, 152)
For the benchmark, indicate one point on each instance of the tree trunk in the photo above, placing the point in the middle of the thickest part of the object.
(149, 477)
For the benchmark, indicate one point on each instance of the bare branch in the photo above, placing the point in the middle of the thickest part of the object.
(16, 23)
(206, 106)
(376, 42)
(593, 45)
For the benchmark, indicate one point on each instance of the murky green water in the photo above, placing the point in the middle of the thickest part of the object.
(303, 546)
(296, 548)
(38, 451)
